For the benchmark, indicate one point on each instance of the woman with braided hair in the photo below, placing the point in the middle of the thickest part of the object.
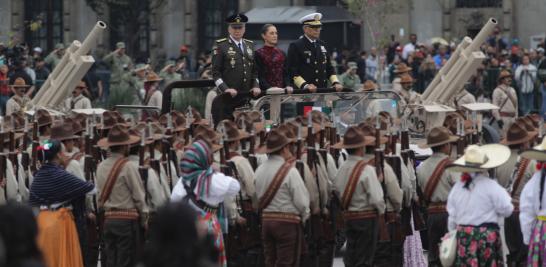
(60, 197)
(205, 189)
(532, 207)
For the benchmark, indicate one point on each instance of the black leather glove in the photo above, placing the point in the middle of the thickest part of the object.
(500, 123)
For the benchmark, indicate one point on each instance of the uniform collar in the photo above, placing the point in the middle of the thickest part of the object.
(236, 43)
(309, 39)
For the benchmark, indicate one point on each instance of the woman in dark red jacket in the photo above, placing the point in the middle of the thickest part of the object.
(271, 62)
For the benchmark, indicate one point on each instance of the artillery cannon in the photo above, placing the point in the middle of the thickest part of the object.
(73, 66)
(450, 80)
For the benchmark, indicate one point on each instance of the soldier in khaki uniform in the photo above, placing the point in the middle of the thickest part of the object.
(233, 69)
(169, 74)
(513, 175)
(123, 198)
(119, 64)
(409, 97)
(436, 187)
(55, 56)
(362, 200)
(78, 100)
(284, 202)
(19, 101)
(153, 97)
(388, 253)
(506, 98)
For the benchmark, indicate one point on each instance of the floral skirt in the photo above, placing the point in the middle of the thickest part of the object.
(478, 246)
(210, 223)
(537, 245)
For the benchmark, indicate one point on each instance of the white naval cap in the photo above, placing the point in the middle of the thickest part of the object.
(312, 19)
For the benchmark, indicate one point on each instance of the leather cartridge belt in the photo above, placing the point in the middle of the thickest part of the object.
(281, 217)
(507, 114)
(122, 214)
(359, 215)
(436, 208)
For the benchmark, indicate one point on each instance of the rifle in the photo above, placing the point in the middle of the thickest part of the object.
(12, 150)
(408, 157)
(166, 154)
(251, 153)
(25, 157)
(383, 230)
(332, 137)
(405, 215)
(3, 161)
(299, 162)
(142, 169)
(315, 221)
(461, 144)
(35, 144)
(540, 131)
(154, 163)
(322, 149)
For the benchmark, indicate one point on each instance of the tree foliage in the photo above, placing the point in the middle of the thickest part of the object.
(127, 16)
(374, 15)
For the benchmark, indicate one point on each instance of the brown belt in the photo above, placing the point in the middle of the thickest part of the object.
(507, 114)
(130, 214)
(281, 217)
(392, 216)
(359, 215)
(436, 208)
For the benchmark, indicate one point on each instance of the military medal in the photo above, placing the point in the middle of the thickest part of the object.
(249, 51)
(232, 62)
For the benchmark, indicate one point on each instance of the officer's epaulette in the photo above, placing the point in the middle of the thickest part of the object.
(221, 40)
(246, 40)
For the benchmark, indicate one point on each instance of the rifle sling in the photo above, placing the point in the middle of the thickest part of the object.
(351, 184)
(112, 178)
(275, 184)
(435, 179)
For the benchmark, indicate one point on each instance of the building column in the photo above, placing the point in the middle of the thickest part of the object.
(447, 18)
(17, 19)
(508, 19)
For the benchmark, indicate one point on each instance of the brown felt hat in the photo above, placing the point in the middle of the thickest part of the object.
(439, 136)
(369, 85)
(19, 83)
(178, 121)
(75, 124)
(232, 133)
(276, 141)
(62, 131)
(111, 118)
(529, 126)
(43, 117)
(152, 77)
(406, 78)
(118, 136)
(209, 135)
(517, 134)
(504, 74)
(354, 138)
(155, 132)
(401, 68)
(368, 130)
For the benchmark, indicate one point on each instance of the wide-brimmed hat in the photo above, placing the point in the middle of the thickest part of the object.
(20, 83)
(527, 122)
(369, 85)
(286, 130)
(276, 141)
(43, 117)
(369, 131)
(77, 128)
(62, 131)
(232, 133)
(480, 158)
(354, 138)
(516, 134)
(141, 67)
(209, 135)
(438, 136)
(401, 68)
(406, 78)
(152, 77)
(118, 136)
(108, 120)
(503, 74)
(178, 121)
(151, 130)
(537, 153)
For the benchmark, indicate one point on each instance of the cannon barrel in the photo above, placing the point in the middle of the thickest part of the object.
(73, 66)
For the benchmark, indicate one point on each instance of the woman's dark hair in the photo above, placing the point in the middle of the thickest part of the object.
(48, 150)
(19, 230)
(266, 27)
(174, 240)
